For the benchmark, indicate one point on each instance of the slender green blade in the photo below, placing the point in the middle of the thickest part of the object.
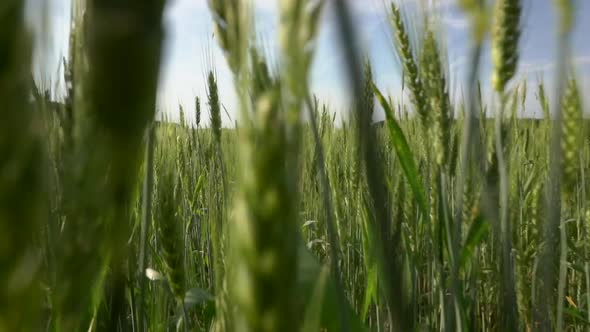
(402, 150)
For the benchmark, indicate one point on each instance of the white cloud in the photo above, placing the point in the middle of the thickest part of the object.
(533, 67)
(582, 60)
(544, 66)
(456, 22)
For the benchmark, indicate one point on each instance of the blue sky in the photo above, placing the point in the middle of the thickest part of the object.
(190, 49)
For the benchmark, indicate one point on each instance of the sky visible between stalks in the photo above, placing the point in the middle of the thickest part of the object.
(190, 50)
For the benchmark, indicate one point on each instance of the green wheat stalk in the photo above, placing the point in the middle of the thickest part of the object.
(505, 39)
(22, 206)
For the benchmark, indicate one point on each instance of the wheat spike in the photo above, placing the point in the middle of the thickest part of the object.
(197, 111)
(214, 107)
(231, 23)
(404, 49)
(571, 134)
(505, 37)
(436, 91)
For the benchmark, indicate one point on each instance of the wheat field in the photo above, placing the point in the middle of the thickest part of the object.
(452, 214)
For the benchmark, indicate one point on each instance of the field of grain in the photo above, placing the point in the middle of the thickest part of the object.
(440, 218)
